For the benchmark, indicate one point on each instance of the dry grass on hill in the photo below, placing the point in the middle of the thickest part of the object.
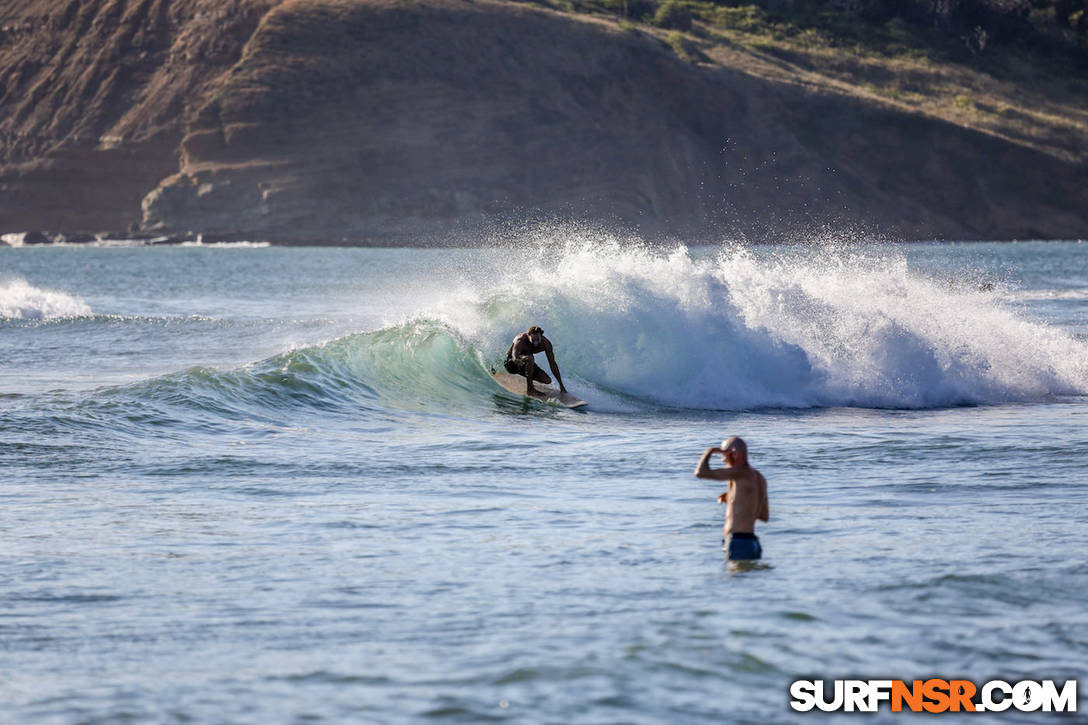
(1009, 92)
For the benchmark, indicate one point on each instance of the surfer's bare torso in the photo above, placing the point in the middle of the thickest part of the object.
(523, 346)
(520, 360)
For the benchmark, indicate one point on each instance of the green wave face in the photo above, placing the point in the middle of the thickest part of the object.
(421, 365)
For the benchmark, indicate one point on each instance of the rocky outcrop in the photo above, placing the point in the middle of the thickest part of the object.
(408, 120)
(93, 100)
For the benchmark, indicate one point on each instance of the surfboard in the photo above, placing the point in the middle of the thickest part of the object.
(516, 384)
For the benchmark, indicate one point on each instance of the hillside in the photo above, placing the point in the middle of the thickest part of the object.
(399, 121)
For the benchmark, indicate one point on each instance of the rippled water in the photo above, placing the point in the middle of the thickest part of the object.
(255, 485)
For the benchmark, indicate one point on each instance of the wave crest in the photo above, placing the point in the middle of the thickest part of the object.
(20, 300)
(725, 329)
(798, 327)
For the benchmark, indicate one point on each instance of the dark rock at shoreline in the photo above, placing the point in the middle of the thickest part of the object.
(37, 238)
(148, 238)
(74, 238)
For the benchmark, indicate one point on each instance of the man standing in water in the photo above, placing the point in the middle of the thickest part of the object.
(745, 501)
(520, 361)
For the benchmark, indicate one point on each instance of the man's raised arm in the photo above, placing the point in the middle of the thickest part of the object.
(703, 469)
(551, 363)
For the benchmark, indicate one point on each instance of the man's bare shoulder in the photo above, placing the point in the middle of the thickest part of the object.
(742, 474)
(748, 477)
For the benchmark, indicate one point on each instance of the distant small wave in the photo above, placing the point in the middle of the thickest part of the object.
(20, 300)
(227, 245)
(18, 239)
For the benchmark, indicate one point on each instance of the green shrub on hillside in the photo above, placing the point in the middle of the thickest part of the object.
(746, 18)
(673, 15)
(948, 30)
(973, 25)
(640, 10)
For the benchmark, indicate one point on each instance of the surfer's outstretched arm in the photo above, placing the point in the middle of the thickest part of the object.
(555, 368)
(703, 469)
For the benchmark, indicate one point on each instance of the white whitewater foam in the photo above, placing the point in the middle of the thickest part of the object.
(886, 335)
(815, 326)
(226, 245)
(20, 300)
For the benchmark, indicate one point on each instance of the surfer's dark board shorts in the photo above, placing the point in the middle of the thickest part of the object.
(742, 546)
(516, 367)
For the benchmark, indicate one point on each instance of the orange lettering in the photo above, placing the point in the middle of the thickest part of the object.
(936, 691)
(912, 695)
(961, 692)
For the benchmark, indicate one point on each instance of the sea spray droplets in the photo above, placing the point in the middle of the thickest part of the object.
(20, 300)
(791, 327)
(642, 322)
(889, 337)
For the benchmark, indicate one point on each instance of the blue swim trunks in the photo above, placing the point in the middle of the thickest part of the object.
(742, 546)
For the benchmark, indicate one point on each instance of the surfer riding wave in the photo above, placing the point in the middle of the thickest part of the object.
(520, 360)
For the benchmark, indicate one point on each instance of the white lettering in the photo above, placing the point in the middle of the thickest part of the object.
(855, 695)
(803, 693)
(988, 701)
(1064, 701)
(835, 703)
(879, 690)
(1027, 696)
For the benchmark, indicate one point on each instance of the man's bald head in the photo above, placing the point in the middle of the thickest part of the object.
(735, 444)
(738, 448)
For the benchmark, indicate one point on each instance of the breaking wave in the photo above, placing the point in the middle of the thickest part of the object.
(20, 300)
(724, 329)
(736, 328)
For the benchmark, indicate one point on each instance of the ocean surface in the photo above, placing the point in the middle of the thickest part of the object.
(247, 484)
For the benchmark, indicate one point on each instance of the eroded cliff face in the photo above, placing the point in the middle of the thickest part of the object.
(379, 118)
(404, 120)
(94, 95)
